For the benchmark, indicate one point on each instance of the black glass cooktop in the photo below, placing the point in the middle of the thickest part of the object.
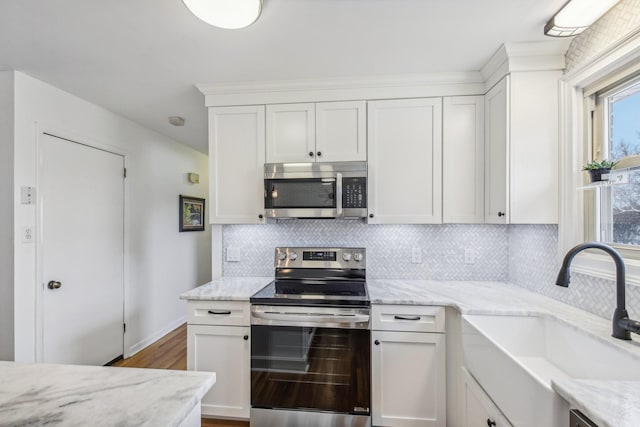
(300, 292)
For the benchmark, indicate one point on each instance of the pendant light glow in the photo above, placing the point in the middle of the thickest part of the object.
(228, 14)
(576, 16)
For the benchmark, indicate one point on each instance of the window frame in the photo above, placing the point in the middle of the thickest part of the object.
(576, 130)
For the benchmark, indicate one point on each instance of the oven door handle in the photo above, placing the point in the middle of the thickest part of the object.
(312, 317)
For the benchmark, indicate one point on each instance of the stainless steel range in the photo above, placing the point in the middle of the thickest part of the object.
(310, 348)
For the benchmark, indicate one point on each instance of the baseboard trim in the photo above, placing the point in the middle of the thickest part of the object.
(142, 344)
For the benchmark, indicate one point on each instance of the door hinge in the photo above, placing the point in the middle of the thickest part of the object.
(125, 172)
(124, 327)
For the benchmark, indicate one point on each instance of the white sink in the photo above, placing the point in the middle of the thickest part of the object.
(515, 358)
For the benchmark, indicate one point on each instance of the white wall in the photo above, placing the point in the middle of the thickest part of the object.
(6, 215)
(161, 262)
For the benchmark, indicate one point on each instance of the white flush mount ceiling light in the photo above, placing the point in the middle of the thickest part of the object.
(228, 14)
(576, 16)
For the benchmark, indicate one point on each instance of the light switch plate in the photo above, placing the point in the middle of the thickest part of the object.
(28, 195)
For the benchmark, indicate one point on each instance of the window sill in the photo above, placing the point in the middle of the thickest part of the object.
(603, 267)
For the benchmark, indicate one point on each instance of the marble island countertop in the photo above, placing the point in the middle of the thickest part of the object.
(72, 395)
(608, 403)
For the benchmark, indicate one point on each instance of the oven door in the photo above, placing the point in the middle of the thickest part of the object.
(312, 362)
(303, 197)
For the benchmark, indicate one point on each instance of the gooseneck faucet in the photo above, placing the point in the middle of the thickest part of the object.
(622, 325)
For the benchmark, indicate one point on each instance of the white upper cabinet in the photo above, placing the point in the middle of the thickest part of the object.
(341, 131)
(236, 161)
(321, 132)
(521, 143)
(405, 161)
(463, 159)
(291, 133)
(496, 137)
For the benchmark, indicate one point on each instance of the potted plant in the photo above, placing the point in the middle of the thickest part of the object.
(597, 168)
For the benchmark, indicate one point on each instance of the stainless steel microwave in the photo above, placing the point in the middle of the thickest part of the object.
(315, 190)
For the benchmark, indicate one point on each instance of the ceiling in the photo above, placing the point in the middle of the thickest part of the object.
(141, 58)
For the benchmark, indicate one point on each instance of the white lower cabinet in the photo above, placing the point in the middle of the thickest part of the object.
(479, 409)
(408, 369)
(225, 350)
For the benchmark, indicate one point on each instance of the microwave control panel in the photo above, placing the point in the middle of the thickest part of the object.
(354, 192)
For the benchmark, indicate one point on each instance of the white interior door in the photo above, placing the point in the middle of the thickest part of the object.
(82, 196)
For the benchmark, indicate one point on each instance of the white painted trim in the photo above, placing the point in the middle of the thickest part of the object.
(39, 129)
(343, 89)
(571, 225)
(602, 266)
(530, 56)
(145, 342)
(217, 252)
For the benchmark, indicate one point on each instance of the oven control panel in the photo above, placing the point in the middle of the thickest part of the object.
(347, 258)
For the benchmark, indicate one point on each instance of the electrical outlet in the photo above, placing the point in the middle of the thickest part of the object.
(469, 256)
(416, 256)
(27, 234)
(233, 254)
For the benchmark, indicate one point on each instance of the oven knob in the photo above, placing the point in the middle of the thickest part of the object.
(282, 256)
(293, 256)
(357, 256)
(346, 256)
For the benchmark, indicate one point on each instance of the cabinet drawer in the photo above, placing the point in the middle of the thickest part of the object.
(230, 313)
(409, 318)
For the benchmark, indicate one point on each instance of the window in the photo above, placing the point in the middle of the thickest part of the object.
(616, 136)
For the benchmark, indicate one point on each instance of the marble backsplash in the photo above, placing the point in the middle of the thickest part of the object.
(534, 265)
(524, 255)
(388, 248)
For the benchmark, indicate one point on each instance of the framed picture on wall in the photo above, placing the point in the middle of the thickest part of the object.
(191, 213)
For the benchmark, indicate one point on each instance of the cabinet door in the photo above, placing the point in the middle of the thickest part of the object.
(405, 161)
(225, 351)
(341, 131)
(463, 159)
(236, 162)
(480, 410)
(408, 379)
(496, 111)
(291, 133)
(533, 147)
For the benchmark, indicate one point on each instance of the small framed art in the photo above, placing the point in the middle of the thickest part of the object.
(191, 213)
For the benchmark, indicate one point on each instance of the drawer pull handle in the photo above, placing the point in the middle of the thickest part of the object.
(219, 312)
(401, 317)
(376, 342)
(246, 337)
(490, 422)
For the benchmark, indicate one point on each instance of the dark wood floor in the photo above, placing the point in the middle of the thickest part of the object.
(170, 352)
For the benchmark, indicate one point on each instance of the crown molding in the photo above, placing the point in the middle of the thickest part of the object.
(530, 56)
(342, 89)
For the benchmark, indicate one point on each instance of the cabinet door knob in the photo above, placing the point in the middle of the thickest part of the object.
(370, 215)
(376, 342)
(246, 337)
(490, 422)
(501, 214)
(260, 216)
(319, 154)
(310, 153)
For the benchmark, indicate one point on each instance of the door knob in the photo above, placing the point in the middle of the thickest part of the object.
(54, 284)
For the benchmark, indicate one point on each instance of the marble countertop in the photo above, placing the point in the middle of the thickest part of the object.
(72, 395)
(608, 403)
(227, 289)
